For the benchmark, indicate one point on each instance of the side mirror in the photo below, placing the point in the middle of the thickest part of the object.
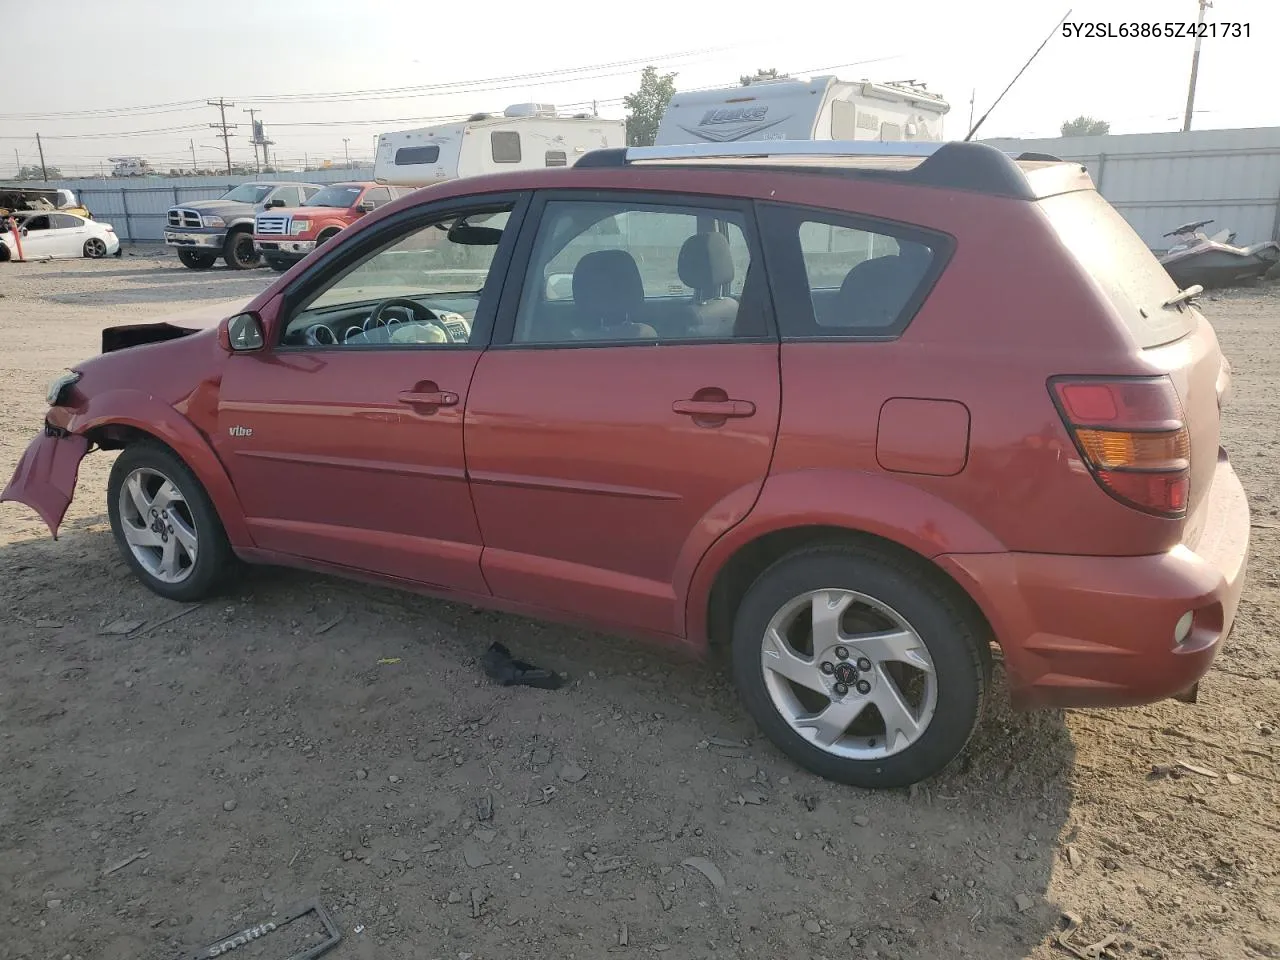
(241, 333)
(559, 287)
(367, 206)
(277, 202)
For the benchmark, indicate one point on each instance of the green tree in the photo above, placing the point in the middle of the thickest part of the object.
(646, 106)
(1083, 126)
(35, 173)
(761, 74)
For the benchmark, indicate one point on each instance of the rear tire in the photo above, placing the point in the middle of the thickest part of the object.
(165, 524)
(4, 252)
(856, 628)
(197, 261)
(239, 251)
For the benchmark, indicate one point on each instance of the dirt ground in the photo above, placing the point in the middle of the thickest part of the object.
(306, 738)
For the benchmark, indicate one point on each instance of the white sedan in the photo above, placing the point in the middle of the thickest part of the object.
(46, 235)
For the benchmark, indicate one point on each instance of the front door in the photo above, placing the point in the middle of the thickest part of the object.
(630, 402)
(344, 437)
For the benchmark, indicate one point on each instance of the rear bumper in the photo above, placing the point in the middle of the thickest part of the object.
(1100, 631)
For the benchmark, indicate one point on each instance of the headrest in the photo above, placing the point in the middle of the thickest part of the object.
(705, 262)
(607, 287)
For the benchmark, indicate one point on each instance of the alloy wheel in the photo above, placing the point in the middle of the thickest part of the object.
(849, 674)
(158, 525)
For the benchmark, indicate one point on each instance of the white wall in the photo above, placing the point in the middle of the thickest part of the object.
(1160, 180)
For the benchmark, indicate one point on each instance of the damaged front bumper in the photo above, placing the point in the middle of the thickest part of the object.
(45, 479)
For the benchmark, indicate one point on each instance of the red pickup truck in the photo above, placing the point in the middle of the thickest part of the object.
(284, 235)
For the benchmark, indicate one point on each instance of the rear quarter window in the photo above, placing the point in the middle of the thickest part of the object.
(1128, 273)
(837, 276)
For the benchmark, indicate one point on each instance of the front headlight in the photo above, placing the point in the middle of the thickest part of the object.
(300, 227)
(58, 385)
(213, 221)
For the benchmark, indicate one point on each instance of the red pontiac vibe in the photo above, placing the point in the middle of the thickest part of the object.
(856, 411)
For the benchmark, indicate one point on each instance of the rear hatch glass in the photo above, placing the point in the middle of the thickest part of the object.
(1115, 256)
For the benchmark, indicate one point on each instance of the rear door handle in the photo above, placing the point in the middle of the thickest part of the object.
(440, 398)
(714, 408)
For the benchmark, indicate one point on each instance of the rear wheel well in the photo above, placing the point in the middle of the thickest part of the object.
(740, 571)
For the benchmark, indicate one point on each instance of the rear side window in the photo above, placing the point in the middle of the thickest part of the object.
(1129, 274)
(505, 145)
(411, 155)
(837, 277)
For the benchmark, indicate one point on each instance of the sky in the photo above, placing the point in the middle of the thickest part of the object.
(95, 78)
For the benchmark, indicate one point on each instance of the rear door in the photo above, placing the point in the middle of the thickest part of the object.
(70, 234)
(609, 424)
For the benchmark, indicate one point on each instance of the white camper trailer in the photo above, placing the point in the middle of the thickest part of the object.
(821, 108)
(525, 136)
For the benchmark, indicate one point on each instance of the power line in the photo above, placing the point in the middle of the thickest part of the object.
(479, 84)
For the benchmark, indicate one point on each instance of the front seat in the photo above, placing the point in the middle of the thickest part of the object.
(608, 297)
(706, 266)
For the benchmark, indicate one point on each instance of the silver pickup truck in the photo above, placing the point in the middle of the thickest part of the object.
(204, 230)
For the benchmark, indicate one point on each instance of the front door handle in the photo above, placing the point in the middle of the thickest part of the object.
(714, 408)
(438, 398)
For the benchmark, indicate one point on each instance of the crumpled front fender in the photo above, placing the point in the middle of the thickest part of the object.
(45, 479)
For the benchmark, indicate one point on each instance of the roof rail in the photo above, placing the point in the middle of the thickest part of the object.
(958, 165)
(620, 156)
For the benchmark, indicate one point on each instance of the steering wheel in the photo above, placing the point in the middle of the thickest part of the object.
(420, 314)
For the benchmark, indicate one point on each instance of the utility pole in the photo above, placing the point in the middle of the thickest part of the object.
(195, 164)
(972, 97)
(253, 116)
(225, 127)
(44, 172)
(347, 150)
(1195, 68)
(18, 160)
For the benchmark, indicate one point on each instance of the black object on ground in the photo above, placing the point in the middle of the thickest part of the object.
(502, 667)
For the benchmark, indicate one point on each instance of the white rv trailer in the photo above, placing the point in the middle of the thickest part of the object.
(524, 137)
(821, 108)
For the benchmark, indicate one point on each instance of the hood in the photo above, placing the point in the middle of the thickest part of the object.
(218, 208)
(307, 213)
(171, 326)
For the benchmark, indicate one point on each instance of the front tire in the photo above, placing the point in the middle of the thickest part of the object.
(95, 248)
(239, 251)
(165, 524)
(859, 666)
(196, 261)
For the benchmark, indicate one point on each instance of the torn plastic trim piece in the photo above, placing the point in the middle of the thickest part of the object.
(499, 665)
(234, 941)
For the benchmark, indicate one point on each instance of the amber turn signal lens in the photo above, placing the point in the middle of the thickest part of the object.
(1120, 449)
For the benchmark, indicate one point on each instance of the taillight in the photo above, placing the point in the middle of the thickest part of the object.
(1132, 436)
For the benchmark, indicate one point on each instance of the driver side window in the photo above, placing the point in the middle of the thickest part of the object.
(421, 289)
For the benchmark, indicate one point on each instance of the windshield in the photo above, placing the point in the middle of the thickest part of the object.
(335, 196)
(248, 193)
